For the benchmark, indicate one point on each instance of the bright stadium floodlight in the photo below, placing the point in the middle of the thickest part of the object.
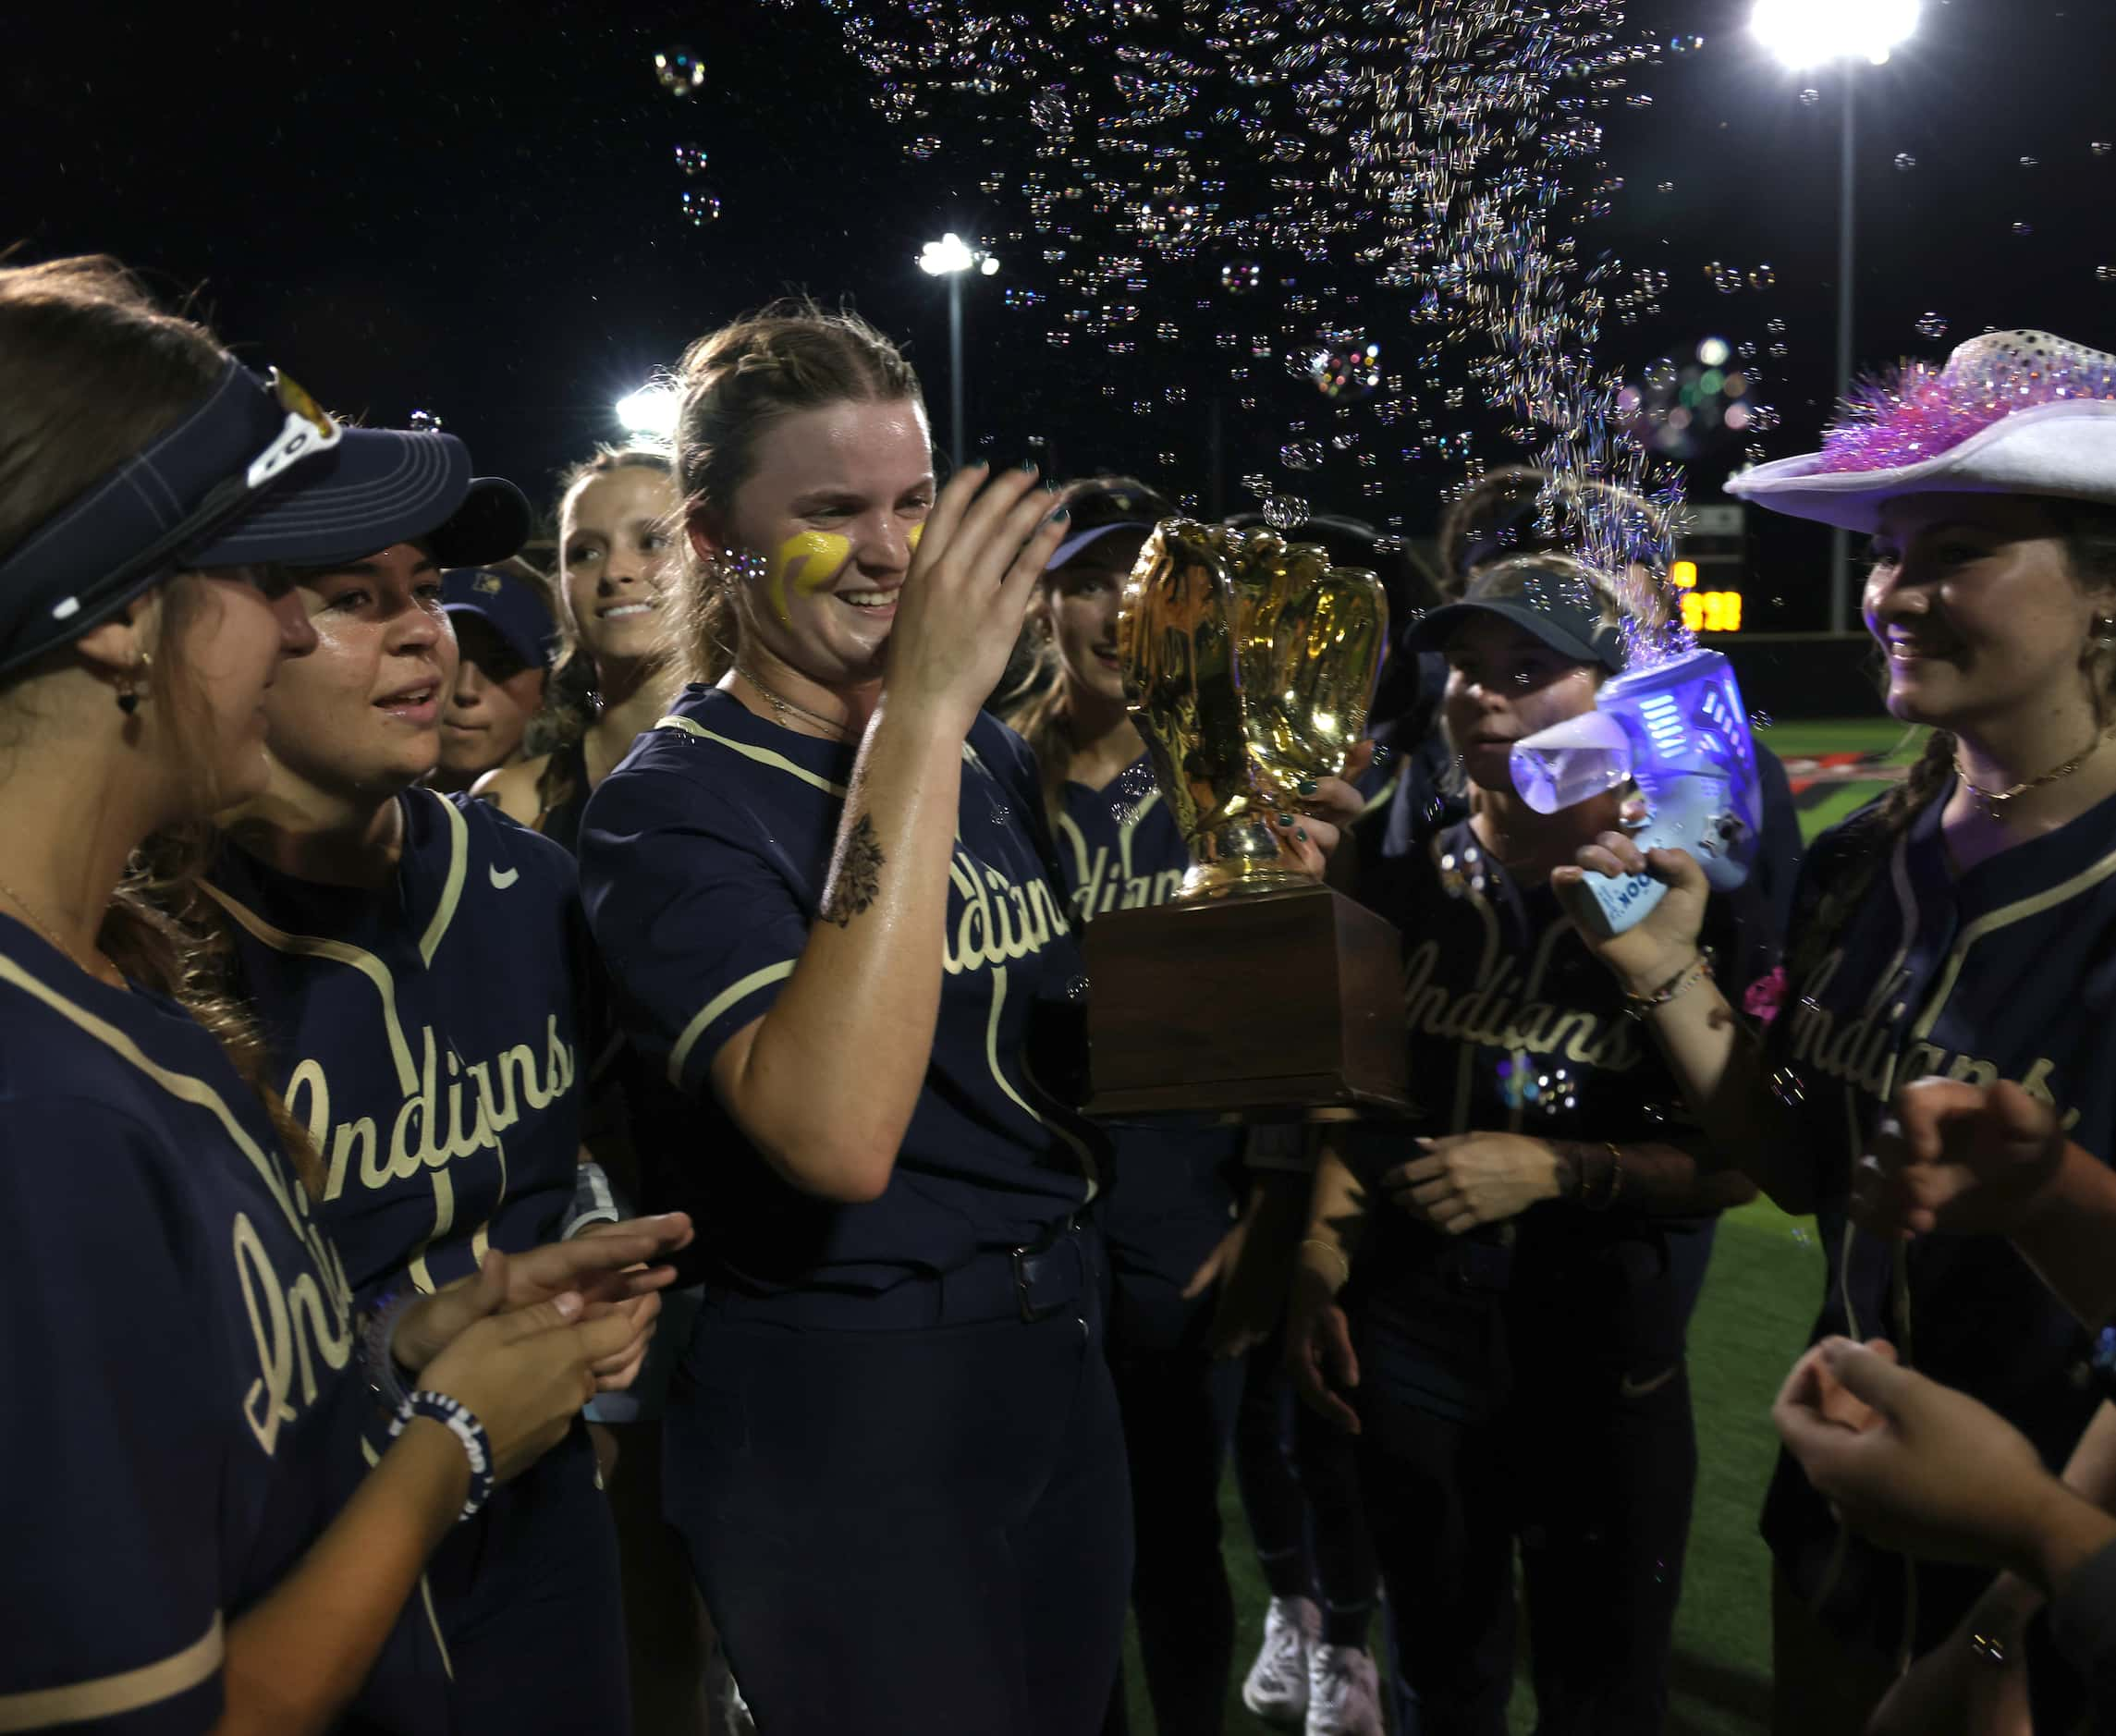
(651, 411)
(1805, 34)
(947, 256)
(1802, 33)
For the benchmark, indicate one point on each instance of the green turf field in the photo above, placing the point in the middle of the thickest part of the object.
(1764, 1285)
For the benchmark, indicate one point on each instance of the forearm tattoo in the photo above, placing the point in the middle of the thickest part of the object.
(857, 882)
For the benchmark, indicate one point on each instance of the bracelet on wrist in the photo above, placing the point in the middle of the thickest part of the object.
(1336, 1252)
(461, 1422)
(1699, 968)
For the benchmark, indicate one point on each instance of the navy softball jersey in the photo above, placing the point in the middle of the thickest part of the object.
(1516, 1027)
(428, 1035)
(185, 1412)
(704, 861)
(2005, 971)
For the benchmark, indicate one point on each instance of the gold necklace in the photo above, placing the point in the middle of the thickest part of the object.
(781, 705)
(1992, 802)
(115, 978)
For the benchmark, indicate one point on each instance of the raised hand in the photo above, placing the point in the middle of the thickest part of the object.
(1646, 955)
(959, 613)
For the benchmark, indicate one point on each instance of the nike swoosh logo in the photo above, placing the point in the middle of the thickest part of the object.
(1630, 1388)
(502, 881)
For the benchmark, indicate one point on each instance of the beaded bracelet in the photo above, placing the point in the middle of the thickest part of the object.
(378, 1345)
(458, 1418)
(1334, 1253)
(1638, 1006)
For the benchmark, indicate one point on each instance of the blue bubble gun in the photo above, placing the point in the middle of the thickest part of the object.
(1678, 730)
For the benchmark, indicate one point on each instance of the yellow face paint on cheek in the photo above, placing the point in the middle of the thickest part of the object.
(811, 562)
(918, 531)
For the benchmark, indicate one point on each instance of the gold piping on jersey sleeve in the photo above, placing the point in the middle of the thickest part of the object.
(338, 952)
(764, 756)
(679, 1056)
(111, 1696)
(182, 1086)
(2003, 917)
(452, 884)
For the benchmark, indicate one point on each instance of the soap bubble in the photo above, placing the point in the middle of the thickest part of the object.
(701, 206)
(1763, 277)
(2105, 274)
(2024, 228)
(2101, 147)
(2029, 162)
(1905, 162)
(691, 159)
(1808, 98)
(1932, 325)
(921, 150)
(1285, 512)
(1048, 111)
(425, 422)
(682, 73)
(1725, 278)
(1301, 455)
(1684, 44)
(1348, 371)
(1241, 278)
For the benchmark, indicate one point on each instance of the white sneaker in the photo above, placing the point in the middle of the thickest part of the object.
(1276, 1686)
(1344, 1695)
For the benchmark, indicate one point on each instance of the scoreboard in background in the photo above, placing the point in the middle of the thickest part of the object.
(1710, 557)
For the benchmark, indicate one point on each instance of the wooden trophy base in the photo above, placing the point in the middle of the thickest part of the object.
(1269, 1005)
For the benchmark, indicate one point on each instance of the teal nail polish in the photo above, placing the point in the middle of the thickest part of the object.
(1302, 836)
(1307, 785)
(1029, 466)
(1284, 819)
(1061, 516)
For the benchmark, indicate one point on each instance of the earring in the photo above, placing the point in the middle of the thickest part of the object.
(130, 683)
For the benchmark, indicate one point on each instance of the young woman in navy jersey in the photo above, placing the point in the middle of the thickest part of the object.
(612, 678)
(1497, 1309)
(827, 896)
(422, 974)
(1168, 1219)
(1961, 926)
(195, 1540)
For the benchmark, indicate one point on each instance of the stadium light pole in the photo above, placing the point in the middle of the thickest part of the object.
(952, 258)
(1805, 33)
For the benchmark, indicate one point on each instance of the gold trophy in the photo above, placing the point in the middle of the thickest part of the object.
(1249, 663)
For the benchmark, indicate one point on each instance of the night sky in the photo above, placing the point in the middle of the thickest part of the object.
(473, 210)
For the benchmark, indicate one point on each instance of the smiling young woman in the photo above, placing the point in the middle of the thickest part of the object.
(1964, 926)
(823, 887)
(613, 676)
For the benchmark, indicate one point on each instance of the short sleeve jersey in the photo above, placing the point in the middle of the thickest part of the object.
(2005, 971)
(428, 1034)
(169, 1292)
(705, 857)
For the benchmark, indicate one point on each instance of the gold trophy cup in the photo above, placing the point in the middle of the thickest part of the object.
(1249, 663)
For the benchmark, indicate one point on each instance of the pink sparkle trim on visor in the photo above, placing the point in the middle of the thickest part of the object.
(1919, 411)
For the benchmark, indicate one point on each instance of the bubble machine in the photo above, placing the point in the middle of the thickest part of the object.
(1677, 728)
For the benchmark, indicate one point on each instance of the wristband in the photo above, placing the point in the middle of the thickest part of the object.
(594, 1202)
(458, 1420)
(1607, 1197)
(378, 1345)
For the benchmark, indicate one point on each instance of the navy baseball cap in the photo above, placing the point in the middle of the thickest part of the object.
(511, 604)
(257, 473)
(1103, 505)
(1553, 601)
